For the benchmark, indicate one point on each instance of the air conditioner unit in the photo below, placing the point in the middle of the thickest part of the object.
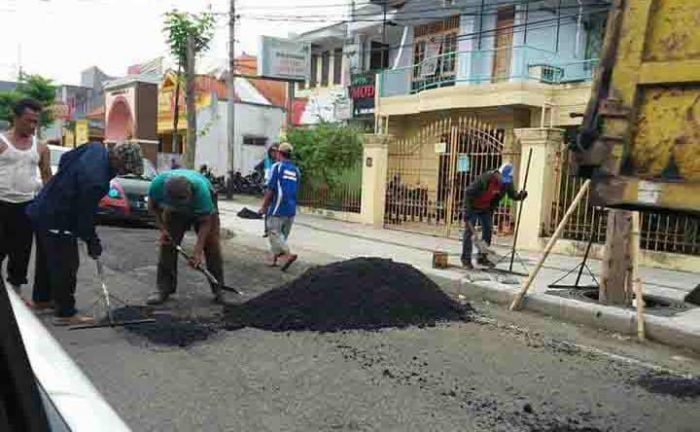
(545, 73)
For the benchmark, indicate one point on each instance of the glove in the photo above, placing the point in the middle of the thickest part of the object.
(94, 247)
(522, 195)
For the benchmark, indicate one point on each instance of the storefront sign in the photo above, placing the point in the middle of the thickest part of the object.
(284, 59)
(362, 91)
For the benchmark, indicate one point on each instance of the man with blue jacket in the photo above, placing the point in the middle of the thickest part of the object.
(280, 205)
(64, 211)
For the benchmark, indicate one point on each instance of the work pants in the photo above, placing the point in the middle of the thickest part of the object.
(278, 230)
(177, 224)
(62, 261)
(16, 237)
(485, 219)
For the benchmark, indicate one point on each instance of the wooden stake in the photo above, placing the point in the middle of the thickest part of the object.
(634, 276)
(517, 302)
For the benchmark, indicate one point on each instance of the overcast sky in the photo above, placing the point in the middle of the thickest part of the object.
(59, 38)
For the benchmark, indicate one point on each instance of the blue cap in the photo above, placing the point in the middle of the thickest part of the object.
(506, 171)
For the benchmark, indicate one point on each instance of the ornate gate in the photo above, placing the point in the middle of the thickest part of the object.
(429, 172)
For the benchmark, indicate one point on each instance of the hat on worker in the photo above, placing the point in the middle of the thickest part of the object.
(506, 171)
(131, 157)
(286, 148)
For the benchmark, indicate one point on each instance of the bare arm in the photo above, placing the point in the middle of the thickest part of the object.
(158, 213)
(267, 199)
(206, 224)
(45, 163)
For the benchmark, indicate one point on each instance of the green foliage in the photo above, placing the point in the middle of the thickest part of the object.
(33, 86)
(179, 25)
(326, 152)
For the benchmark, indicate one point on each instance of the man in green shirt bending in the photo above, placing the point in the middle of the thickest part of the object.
(181, 199)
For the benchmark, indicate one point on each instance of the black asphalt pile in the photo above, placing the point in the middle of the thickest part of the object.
(167, 330)
(694, 296)
(363, 293)
(679, 387)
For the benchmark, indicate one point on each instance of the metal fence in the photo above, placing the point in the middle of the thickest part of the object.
(429, 173)
(342, 193)
(661, 232)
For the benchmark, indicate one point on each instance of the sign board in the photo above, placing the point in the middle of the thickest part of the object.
(441, 147)
(463, 163)
(284, 59)
(343, 109)
(362, 91)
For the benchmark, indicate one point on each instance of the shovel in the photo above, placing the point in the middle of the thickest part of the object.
(210, 277)
(482, 246)
(106, 297)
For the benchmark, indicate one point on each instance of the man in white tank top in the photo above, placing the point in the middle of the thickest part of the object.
(20, 156)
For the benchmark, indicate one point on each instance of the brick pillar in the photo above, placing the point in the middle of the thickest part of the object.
(374, 172)
(542, 182)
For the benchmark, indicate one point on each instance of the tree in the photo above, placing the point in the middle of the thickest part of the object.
(178, 28)
(326, 151)
(33, 86)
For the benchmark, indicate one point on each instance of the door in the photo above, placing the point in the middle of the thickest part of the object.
(504, 43)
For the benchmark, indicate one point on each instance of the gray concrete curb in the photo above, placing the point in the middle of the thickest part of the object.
(659, 329)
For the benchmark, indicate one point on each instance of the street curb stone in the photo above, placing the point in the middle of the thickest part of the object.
(660, 329)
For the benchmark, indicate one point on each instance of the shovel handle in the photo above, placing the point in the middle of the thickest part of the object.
(210, 277)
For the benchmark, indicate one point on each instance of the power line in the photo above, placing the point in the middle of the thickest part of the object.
(416, 13)
(310, 6)
(532, 25)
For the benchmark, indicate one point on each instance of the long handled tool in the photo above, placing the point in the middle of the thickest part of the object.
(210, 277)
(518, 300)
(105, 297)
(481, 245)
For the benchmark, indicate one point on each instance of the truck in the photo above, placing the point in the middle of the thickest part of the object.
(639, 141)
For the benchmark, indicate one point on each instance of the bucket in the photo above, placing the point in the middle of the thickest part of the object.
(440, 260)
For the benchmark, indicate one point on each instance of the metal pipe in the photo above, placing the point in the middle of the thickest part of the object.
(527, 18)
(481, 22)
(556, 46)
(577, 49)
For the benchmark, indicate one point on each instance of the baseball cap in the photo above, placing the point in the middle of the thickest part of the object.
(285, 147)
(506, 171)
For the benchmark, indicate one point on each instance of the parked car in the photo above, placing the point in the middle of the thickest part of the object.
(41, 384)
(127, 199)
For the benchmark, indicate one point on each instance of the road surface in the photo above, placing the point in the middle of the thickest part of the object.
(502, 372)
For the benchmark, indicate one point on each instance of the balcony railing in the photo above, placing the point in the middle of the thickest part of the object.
(486, 66)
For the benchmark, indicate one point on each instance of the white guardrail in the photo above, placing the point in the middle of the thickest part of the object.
(79, 403)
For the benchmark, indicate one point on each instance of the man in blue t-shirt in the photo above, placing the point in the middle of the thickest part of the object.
(280, 205)
(181, 199)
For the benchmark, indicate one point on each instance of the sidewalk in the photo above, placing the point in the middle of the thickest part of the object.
(333, 239)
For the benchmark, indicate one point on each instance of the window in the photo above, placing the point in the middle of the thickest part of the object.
(379, 56)
(595, 32)
(314, 71)
(435, 54)
(325, 68)
(449, 47)
(418, 56)
(254, 140)
(337, 66)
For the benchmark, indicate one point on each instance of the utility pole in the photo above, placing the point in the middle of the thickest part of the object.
(191, 150)
(231, 124)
